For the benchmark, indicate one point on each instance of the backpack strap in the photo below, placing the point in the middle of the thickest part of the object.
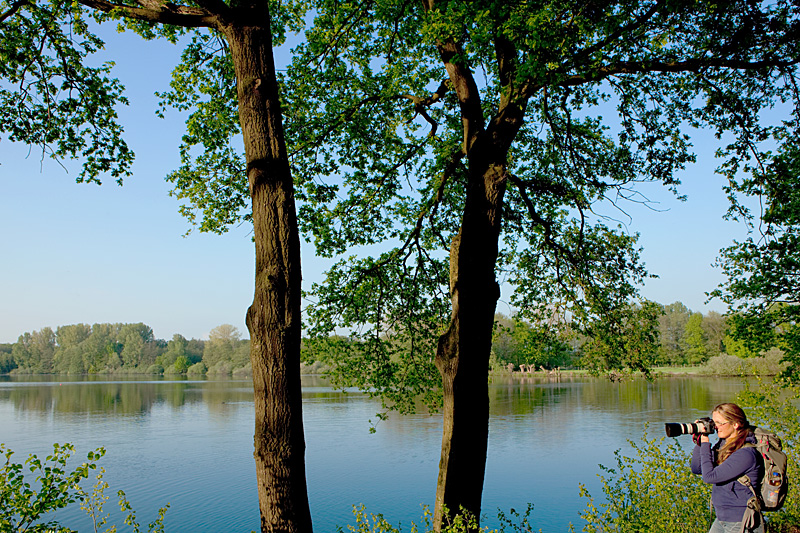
(745, 480)
(752, 515)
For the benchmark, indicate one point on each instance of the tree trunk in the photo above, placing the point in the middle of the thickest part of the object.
(463, 353)
(274, 317)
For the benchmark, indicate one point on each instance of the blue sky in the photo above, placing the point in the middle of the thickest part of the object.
(76, 253)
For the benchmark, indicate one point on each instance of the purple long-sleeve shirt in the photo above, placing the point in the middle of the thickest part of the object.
(727, 494)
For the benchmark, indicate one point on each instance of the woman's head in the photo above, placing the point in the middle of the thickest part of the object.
(732, 426)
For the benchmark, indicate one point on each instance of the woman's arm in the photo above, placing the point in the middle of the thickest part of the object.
(696, 460)
(731, 469)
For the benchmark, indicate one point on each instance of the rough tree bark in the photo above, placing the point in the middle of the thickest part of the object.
(463, 352)
(274, 317)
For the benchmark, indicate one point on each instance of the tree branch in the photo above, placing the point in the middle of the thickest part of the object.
(622, 30)
(217, 7)
(163, 13)
(420, 105)
(639, 67)
(13, 9)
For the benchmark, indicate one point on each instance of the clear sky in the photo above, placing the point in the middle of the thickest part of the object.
(76, 253)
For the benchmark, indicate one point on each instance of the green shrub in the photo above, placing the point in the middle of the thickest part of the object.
(197, 369)
(773, 404)
(221, 368)
(23, 505)
(767, 364)
(654, 490)
(154, 369)
(243, 372)
(461, 523)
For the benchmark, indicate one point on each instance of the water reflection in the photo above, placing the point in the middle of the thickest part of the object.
(668, 394)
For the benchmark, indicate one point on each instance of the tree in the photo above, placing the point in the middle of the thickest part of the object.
(696, 340)
(35, 351)
(476, 140)
(762, 289)
(631, 335)
(540, 345)
(176, 348)
(715, 329)
(222, 340)
(98, 347)
(672, 332)
(132, 351)
(52, 97)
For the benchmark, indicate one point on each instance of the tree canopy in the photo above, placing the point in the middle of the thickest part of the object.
(763, 271)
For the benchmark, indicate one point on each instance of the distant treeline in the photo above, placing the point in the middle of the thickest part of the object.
(685, 338)
(124, 348)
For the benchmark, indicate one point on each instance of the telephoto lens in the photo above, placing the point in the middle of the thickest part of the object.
(703, 426)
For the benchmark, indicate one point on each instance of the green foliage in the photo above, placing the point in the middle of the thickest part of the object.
(516, 341)
(380, 366)
(773, 404)
(156, 526)
(386, 152)
(653, 490)
(24, 504)
(197, 369)
(672, 332)
(124, 349)
(625, 337)
(460, 523)
(696, 340)
(49, 95)
(763, 288)
(768, 364)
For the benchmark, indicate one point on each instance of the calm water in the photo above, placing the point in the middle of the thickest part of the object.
(190, 443)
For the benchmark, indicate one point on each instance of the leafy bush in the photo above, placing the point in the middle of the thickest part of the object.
(197, 369)
(23, 505)
(221, 368)
(768, 364)
(154, 369)
(461, 523)
(773, 404)
(654, 490)
(243, 372)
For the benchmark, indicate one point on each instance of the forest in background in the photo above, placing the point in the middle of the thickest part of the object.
(683, 338)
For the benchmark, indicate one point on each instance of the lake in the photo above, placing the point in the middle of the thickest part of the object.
(190, 443)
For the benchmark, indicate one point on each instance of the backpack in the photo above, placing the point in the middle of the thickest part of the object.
(774, 483)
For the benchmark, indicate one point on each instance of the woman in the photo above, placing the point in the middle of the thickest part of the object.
(722, 464)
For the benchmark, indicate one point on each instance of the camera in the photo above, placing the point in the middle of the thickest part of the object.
(704, 426)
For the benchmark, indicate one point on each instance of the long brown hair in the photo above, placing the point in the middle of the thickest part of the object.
(733, 414)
